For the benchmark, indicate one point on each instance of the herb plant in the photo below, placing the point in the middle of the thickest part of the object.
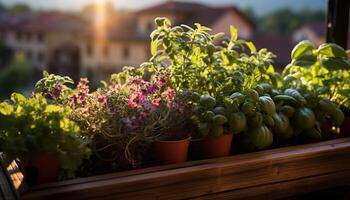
(31, 126)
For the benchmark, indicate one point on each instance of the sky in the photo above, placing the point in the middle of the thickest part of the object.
(259, 6)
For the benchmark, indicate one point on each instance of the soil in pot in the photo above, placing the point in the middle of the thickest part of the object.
(40, 169)
(214, 147)
(171, 151)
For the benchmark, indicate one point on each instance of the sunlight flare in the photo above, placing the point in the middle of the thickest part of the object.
(100, 21)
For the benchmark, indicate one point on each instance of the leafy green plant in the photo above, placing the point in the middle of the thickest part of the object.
(209, 118)
(54, 87)
(196, 63)
(324, 70)
(32, 126)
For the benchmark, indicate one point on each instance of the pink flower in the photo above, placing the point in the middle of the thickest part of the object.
(156, 101)
(132, 104)
(162, 82)
(170, 94)
(113, 89)
(136, 99)
(100, 97)
(82, 91)
(152, 88)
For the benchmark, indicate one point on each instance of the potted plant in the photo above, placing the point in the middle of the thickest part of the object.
(322, 74)
(174, 133)
(159, 115)
(42, 137)
(213, 138)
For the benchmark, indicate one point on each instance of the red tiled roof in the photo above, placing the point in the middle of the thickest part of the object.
(43, 21)
(126, 26)
(194, 12)
(174, 6)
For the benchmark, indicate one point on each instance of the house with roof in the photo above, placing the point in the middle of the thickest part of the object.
(48, 39)
(127, 38)
(77, 45)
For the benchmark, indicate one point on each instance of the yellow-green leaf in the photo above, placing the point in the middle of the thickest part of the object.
(5, 108)
(17, 98)
(234, 33)
(251, 47)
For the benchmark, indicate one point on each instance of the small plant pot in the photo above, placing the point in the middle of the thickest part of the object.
(40, 169)
(214, 147)
(170, 152)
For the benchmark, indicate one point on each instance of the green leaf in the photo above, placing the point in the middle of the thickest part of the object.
(52, 109)
(5, 108)
(302, 48)
(332, 50)
(162, 21)
(17, 98)
(104, 84)
(234, 33)
(187, 27)
(333, 64)
(302, 63)
(67, 79)
(218, 36)
(154, 46)
(45, 74)
(251, 47)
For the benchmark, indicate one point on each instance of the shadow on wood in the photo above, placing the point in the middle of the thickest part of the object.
(269, 174)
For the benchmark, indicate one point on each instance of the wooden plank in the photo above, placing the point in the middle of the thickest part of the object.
(6, 192)
(284, 189)
(235, 173)
(246, 156)
(16, 177)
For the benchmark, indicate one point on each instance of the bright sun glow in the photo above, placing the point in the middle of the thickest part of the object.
(100, 21)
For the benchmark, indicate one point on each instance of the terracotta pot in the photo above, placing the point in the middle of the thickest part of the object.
(345, 127)
(40, 169)
(214, 147)
(169, 152)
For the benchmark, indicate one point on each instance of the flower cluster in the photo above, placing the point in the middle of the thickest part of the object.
(81, 94)
(55, 92)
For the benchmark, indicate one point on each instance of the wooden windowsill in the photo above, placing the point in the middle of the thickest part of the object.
(268, 174)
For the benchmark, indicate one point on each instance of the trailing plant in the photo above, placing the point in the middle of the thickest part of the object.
(32, 126)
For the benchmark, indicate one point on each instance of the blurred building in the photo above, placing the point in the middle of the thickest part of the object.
(99, 40)
(48, 39)
(127, 38)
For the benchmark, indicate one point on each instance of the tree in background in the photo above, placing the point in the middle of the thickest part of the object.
(15, 76)
(285, 20)
(19, 8)
(2, 7)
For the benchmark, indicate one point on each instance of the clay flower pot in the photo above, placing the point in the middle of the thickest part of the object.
(213, 147)
(170, 152)
(40, 169)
